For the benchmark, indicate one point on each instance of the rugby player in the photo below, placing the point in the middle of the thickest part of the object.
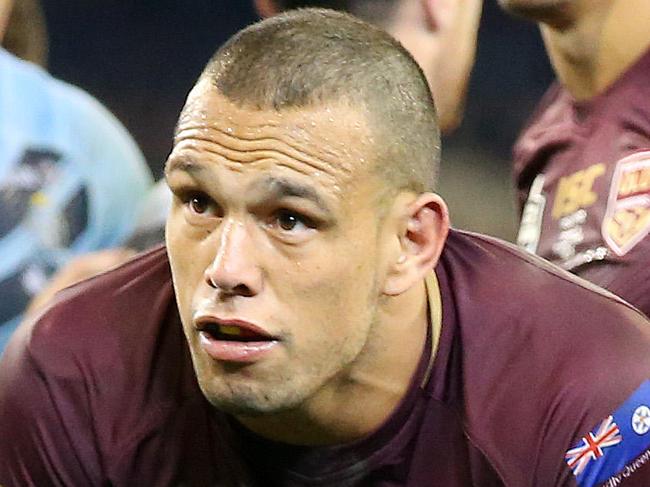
(582, 165)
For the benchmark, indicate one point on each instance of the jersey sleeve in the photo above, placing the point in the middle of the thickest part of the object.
(597, 430)
(612, 451)
(45, 426)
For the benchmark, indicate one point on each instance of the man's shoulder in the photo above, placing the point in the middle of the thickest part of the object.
(14, 66)
(545, 356)
(102, 380)
(131, 291)
(100, 316)
(501, 289)
(631, 81)
(537, 317)
(515, 274)
(31, 83)
(550, 124)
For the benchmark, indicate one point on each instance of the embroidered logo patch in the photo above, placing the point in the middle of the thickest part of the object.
(627, 219)
(615, 444)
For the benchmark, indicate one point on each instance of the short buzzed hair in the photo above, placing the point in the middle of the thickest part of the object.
(308, 57)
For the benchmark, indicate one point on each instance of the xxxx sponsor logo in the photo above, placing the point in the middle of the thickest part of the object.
(627, 219)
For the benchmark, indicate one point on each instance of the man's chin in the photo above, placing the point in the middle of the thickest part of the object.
(242, 409)
(249, 404)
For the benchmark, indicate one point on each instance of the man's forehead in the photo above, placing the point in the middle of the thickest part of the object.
(335, 133)
(205, 103)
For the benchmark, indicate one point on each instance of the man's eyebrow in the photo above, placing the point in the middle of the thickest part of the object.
(183, 164)
(281, 188)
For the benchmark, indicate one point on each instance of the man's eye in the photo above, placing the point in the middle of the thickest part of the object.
(289, 221)
(198, 204)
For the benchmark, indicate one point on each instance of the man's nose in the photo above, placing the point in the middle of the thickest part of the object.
(234, 270)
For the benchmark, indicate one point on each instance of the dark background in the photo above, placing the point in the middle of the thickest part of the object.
(140, 58)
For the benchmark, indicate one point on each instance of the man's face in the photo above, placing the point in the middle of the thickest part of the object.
(275, 248)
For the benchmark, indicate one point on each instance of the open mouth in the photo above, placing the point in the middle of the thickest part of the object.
(233, 333)
(234, 340)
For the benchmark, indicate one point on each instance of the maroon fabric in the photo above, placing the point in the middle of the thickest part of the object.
(594, 223)
(100, 390)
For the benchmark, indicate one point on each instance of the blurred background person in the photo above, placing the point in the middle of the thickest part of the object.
(439, 34)
(583, 162)
(71, 177)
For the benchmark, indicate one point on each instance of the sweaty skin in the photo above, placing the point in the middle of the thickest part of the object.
(275, 224)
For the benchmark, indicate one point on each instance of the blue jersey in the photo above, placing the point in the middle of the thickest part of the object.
(71, 179)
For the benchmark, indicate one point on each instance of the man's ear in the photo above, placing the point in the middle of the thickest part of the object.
(422, 237)
(266, 8)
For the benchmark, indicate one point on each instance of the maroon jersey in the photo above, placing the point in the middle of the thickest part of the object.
(538, 381)
(583, 173)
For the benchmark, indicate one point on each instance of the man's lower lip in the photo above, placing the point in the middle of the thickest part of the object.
(233, 351)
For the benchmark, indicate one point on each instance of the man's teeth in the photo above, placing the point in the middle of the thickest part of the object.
(233, 333)
(230, 330)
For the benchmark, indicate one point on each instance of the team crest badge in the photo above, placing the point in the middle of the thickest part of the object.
(627, 219)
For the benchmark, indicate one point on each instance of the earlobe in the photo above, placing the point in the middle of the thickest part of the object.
(421, 243)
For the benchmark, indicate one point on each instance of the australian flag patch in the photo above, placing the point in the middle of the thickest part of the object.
(614, 445)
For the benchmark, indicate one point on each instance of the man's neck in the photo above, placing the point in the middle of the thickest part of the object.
(596, 45)
(5, 13)
(361, 400)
